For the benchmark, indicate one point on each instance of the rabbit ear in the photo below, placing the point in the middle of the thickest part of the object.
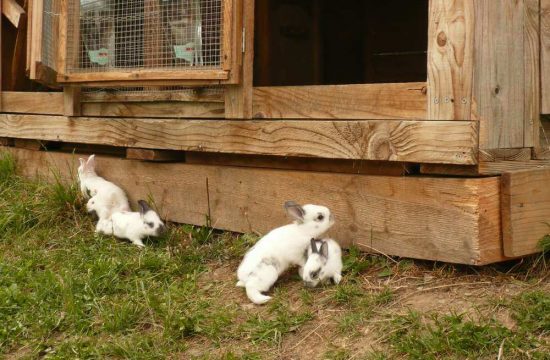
(314, 246)
(143, 207)
(90, 164)
(324, 249)
(82, 162)
(295, 210)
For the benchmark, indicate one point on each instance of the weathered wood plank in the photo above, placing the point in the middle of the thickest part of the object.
(445, 219)
(452, 142)
(450, 59)
(50, 103)
(160, 109)
(499, 73)
(525, 210)
(520, 154)
(13, 11)
(71, 101)
(364, 101)
(532, 84)
(190, 95)
(294, 163)
(545, 54)
(238, 98)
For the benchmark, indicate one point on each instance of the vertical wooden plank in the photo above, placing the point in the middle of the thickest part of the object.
(499, 81)
(227, 33)
(152, 41)
(71, 101)
(532, 95)
(525, 208)
(545, 54)
(29, 35)
(36, 39)
(450, 59)
(18, 78)
(62, 42)
(238, 98)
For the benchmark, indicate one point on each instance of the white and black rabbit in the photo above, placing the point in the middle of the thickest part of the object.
(324, 262)
(134, 226)
(109, 198)
(281, 248)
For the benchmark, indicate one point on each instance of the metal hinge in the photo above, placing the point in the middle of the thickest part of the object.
(244, 38)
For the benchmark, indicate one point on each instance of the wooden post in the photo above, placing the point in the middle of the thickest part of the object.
(71, 101)
(238, 98)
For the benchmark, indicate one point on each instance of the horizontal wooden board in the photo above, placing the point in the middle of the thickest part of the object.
(155, 109)
(453, 142)
(444, 219)
(364, 101)
(192, 95)
(525, 210)
(47, 103)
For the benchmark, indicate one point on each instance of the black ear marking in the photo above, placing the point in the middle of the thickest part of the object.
(143, 206)
(324, 249)
(294, 210)
(314, 246)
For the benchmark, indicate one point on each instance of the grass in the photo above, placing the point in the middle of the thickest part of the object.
(68, 293)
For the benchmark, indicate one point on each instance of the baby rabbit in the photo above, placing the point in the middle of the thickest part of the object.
(91, 184)
(324, 262)
(134, 226)
(281, 248)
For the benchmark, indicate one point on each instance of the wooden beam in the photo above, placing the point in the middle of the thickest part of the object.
(499, 73)
(364, 101)
(545, 54)
(450, 59)
(295, 163)
(154, 155)
(143, 75)
(36, 36)
(525, 210)
(532, 86)
(453, 142)
(71, 101)
(238, 98)
(19, 79)
(520, 154)
(190, 95)
(13, 11)
(50, 103)
(443, 219)
(160, 109)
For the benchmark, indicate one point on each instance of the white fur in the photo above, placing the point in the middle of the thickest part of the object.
(134, 226)
(280, 249)
(325, 263)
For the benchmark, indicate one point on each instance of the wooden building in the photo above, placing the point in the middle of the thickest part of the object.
(418, 122)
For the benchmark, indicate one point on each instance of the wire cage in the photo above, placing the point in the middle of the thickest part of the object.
(120, 35)
(50, 35)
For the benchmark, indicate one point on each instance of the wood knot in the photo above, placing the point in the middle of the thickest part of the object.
(497, 90)
(442, 39)
(424, 90)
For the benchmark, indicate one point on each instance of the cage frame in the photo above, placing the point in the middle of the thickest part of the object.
(228, 73)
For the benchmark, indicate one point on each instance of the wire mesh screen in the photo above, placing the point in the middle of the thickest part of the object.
(164, 93)
(111, 35)
(50, 35)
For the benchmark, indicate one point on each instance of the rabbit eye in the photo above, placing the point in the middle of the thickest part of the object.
(150, 224)
(320, 217)
(314, 274)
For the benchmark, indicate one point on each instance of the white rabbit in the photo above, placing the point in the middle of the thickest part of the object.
(106, 193)
(281, 248)
(134, 226)
(324, 262)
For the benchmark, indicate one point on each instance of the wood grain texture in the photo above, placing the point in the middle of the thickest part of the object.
(144, 75)
(71, 101)
(532, 96)
(365, 101)
(444, 219)
(50, 103)
(525, 210)
(12, 11)
(159, 109)
(452, 142)
(545, 54)
(450, 59)
(521, 154)
(499, 73)
(238, 98)
(192, 95)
